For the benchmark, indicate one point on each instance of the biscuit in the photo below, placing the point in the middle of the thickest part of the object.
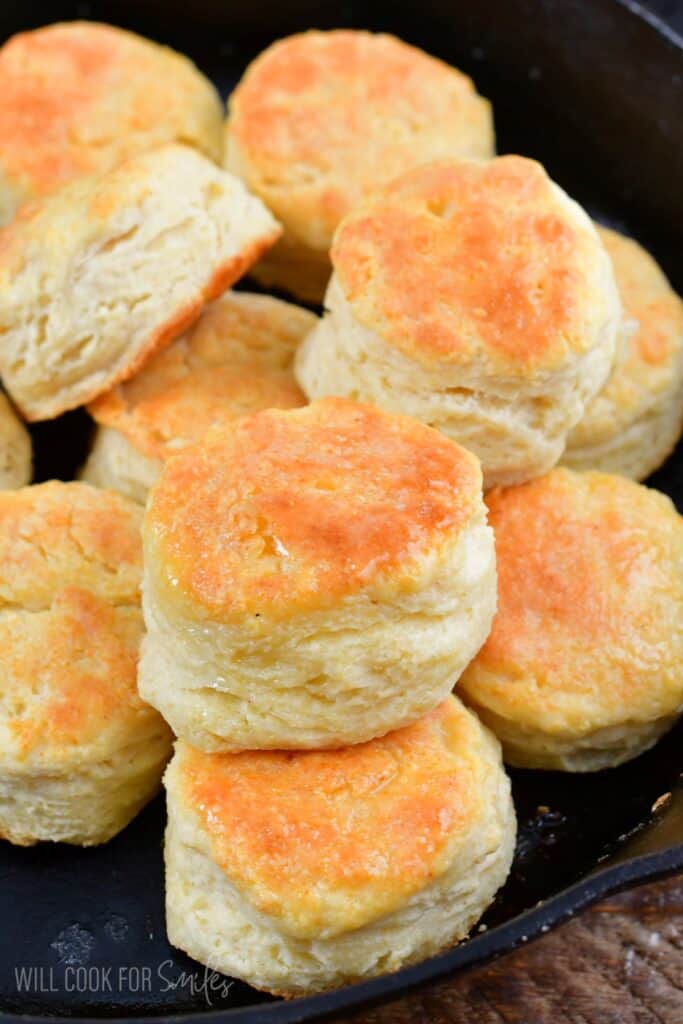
(584, 665)
(633, 424)
(78, 98)
(98, 277)
(237, 358)
(300, 872)
(80, 753)
(15, 449)
(313, 578)
(477, 298)
(321, 119)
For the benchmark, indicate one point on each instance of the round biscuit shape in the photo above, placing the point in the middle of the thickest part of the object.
(80, 752)
(313, 577)
(582, 669)
(299, 872)
(476, 297)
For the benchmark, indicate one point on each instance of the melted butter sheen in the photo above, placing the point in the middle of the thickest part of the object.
(295, 509)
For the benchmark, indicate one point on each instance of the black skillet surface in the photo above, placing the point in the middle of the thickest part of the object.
(595, 91)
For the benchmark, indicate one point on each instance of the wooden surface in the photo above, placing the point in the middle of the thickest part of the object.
(620, 962)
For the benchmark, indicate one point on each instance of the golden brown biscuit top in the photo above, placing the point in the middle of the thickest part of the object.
(327, 841)
(322, 118)
(236, 359)
(650, 360)
(69, 676)
(589, 625)
(77, 97)
(459, 260)
(70, 619)
(57, 535)
(291, 511)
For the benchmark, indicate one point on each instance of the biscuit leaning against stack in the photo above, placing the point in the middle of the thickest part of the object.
(317, 578)
(313, 578)
(99, 276)
(584, 665)
(80, 753)
(476, 297)
(321, 119)
(78, 98)
(236, 359)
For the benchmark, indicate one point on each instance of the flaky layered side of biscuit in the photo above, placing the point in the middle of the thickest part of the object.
(86, 801)
(97, 278)
(115, 464)
(325, 679)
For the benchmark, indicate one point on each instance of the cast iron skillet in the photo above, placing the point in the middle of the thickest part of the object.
(594, 89)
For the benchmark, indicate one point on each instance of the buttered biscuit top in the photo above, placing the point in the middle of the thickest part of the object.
(325, 842)
(313, 577)
(459, 261)
(292, 511)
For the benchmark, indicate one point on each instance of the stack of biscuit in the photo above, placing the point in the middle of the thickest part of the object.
(317, 578)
